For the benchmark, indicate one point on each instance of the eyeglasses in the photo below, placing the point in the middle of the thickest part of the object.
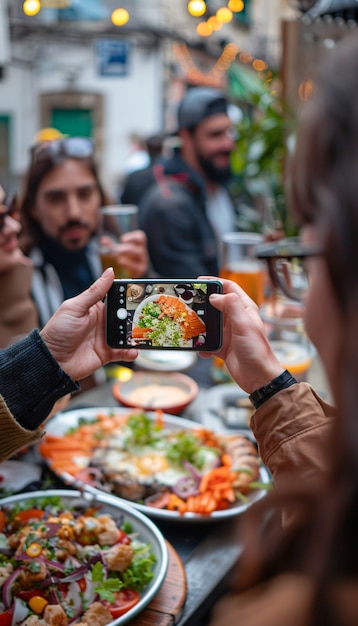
(73, 147)
(10, 203)
(285, 260)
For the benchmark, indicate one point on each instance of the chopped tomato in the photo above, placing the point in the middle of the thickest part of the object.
(6, 618)
(29, 514)
(82, 584)
(27, 594)
(122, 537)
(125, 600)
(2, 520)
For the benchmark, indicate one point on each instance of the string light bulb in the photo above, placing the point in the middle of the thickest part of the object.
(214, 23)
(31, 7)
(236, 5)
(120, 17)
(224, 15)
(204, 29)
(196, 8)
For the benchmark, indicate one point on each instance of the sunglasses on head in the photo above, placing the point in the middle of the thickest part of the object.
(285, 261)
(10, 204)
(73, 147)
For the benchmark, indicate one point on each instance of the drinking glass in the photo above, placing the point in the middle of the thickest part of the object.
(283, 319)
(240, 265)
(115, 221)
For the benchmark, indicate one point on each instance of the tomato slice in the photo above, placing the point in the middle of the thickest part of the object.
(28, 514)
(6, 618)
(125, 600)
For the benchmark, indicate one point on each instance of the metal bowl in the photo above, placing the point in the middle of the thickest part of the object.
(146, 529)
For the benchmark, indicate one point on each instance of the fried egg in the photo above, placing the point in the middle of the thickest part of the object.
(145, 467)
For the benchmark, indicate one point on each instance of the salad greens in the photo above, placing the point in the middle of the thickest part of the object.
(70, 556)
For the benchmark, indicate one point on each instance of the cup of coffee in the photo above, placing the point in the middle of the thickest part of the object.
(115, 221)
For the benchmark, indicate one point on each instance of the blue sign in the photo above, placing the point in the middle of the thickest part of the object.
(112, 57)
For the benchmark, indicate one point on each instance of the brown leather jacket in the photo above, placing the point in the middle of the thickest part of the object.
(291, 429)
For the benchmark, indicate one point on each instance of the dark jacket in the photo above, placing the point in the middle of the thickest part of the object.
(31, 381)
(136, 184)
(181, 240)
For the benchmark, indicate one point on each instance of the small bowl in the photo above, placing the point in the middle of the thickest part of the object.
(170, 392)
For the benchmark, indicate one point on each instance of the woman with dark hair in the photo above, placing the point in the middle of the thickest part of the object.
(59, 208)
(299, 565)
(18, 314)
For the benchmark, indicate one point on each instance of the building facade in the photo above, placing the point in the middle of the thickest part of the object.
(72, 69)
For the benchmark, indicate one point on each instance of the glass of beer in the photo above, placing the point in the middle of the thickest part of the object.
(284, 325)
(240, 265)
(115, 221)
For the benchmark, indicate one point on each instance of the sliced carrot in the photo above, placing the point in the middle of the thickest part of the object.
(226, 460)
(159, 418)
(2, 520)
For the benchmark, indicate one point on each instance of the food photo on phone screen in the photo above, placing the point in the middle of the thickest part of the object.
(165, 314)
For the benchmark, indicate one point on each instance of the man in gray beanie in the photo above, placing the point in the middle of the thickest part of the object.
(184, 213)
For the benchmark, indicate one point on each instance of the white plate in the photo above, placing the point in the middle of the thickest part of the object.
(15, 475)
(62, 422)
(147, 532)
(165, 360)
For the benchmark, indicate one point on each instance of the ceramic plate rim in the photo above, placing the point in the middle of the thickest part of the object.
(170, 420)
(142, 521)
(144, 360)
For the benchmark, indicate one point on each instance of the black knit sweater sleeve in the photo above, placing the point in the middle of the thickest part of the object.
(31, 380)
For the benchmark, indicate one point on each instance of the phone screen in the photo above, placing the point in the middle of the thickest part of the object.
(168, 314)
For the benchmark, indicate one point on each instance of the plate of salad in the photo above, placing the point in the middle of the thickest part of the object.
(166, 466)
(71, 557)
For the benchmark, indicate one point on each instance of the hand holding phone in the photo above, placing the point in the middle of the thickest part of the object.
(163, 314)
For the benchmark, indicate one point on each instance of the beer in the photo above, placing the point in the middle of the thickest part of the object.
(249, 275)
(294, 356)
(109, 259)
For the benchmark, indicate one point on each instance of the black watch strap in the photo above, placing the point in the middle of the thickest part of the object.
(282, 381)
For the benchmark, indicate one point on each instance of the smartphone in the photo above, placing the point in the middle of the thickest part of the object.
(168, 314)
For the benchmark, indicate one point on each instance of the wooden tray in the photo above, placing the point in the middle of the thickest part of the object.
(166, 607)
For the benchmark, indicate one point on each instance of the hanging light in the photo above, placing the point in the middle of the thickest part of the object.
(259, 65)
(31, 7)
(214, 23)
(120, 17)
(196, 8)
(224, 15)
(236, 5)
(204, 29)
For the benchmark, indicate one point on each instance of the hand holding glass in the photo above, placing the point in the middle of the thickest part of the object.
(115, 221)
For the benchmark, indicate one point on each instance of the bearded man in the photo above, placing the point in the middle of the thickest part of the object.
(188, 208)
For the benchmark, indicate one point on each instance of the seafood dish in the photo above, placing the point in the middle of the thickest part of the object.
(141, 458)
(167, 320)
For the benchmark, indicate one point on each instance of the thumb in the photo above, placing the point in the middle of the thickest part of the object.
(217, 301)
(97, 291)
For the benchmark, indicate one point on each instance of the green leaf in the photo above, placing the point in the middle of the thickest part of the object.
(98, 572)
